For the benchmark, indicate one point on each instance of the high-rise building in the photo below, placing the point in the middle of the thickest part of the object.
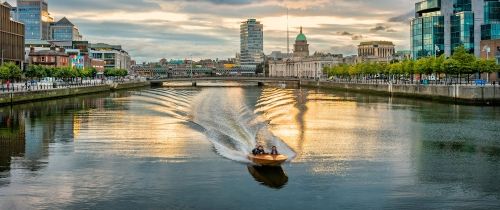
(252, 42)
(64, 30)
(491, 28)
(440, 26)
(36, 18)
(11, 37)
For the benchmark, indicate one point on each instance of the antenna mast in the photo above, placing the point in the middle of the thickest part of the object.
(287, 35)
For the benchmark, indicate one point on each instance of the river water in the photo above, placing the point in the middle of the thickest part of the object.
(185, 148)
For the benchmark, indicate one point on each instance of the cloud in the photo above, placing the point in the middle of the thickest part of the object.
(176, 29)
(403, 18)
(349, 34)
(382, 28)
(378, 28)
(345, 33)
(357, 37)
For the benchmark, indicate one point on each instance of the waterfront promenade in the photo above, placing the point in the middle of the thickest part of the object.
(23, 94)
(456, 93)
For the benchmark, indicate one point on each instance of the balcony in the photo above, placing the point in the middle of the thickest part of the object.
(427, 6)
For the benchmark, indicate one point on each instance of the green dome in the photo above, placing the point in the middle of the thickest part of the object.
(301, 37)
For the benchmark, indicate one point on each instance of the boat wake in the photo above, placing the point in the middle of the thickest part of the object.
(231, 126)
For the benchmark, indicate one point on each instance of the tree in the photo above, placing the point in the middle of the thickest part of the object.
(486, 66)
(65, 72)
(408, 68)
(466, 61)
(451, 66)
(4, 73)
(437, 66)
(10, 71)
(36, 71)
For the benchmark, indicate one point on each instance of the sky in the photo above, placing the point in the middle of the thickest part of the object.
(153, 29)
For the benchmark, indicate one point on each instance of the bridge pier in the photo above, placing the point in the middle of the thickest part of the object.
(156, 84)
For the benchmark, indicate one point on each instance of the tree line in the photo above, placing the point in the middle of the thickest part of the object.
(11, 71)
(454, 68)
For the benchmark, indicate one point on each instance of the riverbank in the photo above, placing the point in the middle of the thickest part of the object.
(10, 98)
(460, 94)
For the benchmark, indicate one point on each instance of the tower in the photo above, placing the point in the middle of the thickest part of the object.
(252, 42)
(301, 48)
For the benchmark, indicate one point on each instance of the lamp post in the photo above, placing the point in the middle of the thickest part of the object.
(487, 49)
(436, 50)
(2, 55)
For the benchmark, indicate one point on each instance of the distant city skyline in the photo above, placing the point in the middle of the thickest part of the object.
(173, 29)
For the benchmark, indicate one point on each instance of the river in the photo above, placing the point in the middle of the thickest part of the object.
(185, 148)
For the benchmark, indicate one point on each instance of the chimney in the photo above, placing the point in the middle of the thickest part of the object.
(32, 49)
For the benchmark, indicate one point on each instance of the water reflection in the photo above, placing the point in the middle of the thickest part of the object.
(138, 149)
(26, 131)
(273, 177)
(12, 139)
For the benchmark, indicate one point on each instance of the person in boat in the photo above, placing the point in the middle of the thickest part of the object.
(259, 150)
(274, 151)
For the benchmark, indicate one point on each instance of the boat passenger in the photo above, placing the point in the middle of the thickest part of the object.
(261, 151)
(274, 151)
(255, 151)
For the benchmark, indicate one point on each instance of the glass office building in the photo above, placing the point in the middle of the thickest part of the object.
(427, 29)
(64, 30)
(491, 27)
(35, 16)
(252, 42)
(440, 26)
(462, 30)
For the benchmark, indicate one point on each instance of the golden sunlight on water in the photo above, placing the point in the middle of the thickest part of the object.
(329, 129)
(163, 148)
(141, 127)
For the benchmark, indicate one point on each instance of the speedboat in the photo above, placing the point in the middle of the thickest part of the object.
(268, 160)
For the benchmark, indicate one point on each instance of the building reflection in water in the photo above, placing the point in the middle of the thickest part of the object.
(27, 130)
(12, 139)
(273, 177)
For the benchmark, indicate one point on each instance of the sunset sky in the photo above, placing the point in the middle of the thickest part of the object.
(174, 29)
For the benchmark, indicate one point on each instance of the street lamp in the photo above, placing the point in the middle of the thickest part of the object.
(436, 50)
(2, 55)
(487, 49)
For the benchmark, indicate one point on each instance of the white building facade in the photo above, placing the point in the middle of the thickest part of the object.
(305, 68)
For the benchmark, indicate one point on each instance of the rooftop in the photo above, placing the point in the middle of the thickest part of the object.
(105, 46)
(63, 22)
(376, 43)
(48, 52)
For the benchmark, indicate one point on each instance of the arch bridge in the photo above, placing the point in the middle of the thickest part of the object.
(261, 81)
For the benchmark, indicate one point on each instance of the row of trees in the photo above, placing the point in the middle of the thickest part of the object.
(39, 71)
(115, 72)
(459, 64)
(10, 71)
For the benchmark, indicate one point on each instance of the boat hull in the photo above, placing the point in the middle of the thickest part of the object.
(268, 160)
